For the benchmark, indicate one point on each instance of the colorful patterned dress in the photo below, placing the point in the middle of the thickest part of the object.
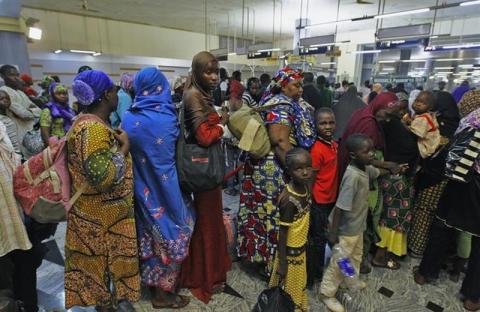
(264, 181)
(101, 265)
(297, 235)
(55, 124)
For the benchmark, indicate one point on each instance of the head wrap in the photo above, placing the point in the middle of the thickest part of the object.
(447, 112)
(469, 102)
(126, 81)
(83, 68)
(90, 85)
(178, 82)
(459, 92)
(59, 110)
(26, 78)
(470, 110)
(199, 65)
(151, 89)
(45, 82)
(284, 76)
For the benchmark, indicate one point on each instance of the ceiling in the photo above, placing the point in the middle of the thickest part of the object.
(224, 17)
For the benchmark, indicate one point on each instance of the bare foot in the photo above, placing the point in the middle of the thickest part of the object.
(471, 306)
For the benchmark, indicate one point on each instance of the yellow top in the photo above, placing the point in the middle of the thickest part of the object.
(298, 229)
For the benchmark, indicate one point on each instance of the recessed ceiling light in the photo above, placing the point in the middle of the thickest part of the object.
(387, 61)
(57, 51)
(366, 52)
(469, 3)
(448, 59)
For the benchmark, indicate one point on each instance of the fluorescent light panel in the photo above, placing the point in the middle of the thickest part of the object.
(448, 59)
(34, 33)
(402, 13)
(414, 61)
(57, 51)
(469, 3)
(367, 52)
(97, 54)
(328, 63)
(269, 50)
(83, 51)
(449, 67)
(387, 61)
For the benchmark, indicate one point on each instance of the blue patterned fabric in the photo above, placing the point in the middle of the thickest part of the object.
(164, 217)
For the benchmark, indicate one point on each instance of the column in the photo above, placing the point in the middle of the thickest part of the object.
(13, 42)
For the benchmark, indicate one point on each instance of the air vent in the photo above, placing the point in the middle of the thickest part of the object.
(404, 32)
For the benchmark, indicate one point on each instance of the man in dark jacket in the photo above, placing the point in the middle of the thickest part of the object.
(310, 92)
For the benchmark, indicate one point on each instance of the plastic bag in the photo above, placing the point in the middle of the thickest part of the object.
(274, 299)
(462, 155)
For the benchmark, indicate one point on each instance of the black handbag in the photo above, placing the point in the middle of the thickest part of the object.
(274, 299)
(199, 168)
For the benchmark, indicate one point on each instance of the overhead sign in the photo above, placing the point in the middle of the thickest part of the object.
(258, 55)
(316, 50)
(401, 43)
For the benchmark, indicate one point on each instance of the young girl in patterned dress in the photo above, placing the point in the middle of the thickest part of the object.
(290, 266)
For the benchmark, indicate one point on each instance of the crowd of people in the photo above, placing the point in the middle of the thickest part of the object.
(364, 174)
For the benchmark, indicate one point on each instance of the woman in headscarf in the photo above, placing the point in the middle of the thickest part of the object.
(397, 190)
(459, 91)
(164, 221)
(431, 180)
(289, 125)
(56, 117)
(458, 212)
(368, 121)
(101, 255)
(205, 269)
(343, 110)
(125, 95)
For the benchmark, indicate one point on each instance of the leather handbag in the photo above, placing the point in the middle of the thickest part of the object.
(199, 168)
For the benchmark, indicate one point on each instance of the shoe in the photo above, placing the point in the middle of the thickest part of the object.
(332, 304)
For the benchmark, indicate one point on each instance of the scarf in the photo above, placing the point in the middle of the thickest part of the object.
(470, 111)
(447, 113)
(459, 92)
(59, 110)
(152, 89)
(90, 85)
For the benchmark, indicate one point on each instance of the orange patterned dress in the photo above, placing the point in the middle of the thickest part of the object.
(101, 266)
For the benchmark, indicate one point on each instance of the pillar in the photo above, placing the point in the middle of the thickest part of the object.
(13, 43)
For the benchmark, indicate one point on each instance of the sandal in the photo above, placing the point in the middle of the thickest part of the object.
(389, 264)
(178, 303)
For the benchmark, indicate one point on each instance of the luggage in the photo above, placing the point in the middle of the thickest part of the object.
(42, 184)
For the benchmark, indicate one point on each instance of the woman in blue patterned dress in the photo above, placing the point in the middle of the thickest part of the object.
(289, 124)
(164, 219)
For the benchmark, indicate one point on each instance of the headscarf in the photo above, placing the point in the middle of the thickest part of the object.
(45, 82)
(459, 92)
(281, 79)
(199, 64)
(151, 89)
(89, 86)
(343, 110)
(26, 78)
(178, 82)
(60, 110)
(470, 110)
(126, 81)
(447, 113)
(363, 121)
(83, 68)
(411, 99)
(198, 94)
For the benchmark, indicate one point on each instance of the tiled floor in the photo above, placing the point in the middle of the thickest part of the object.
(407, 296)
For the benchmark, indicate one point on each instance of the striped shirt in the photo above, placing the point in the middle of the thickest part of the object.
(248, 99)
(11, 132)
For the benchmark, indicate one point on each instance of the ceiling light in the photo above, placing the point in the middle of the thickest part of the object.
(58, 51)
(83, 51)
(97, 54)
(402, 13)
(420, 68)
(322, 45)
(413, 61)
(34, 33)
(449, 67)
(448, 60)
(384, 73)
(328, 63)
(388, 68)
(366, 52)
(269, 50)
(327, 23)
(460, 46)
(444, 73)
(232, 53)
(469, 3)
(387, 61)
(434, 37)
(466, 66)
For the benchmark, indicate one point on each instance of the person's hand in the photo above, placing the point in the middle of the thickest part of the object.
(122, 138)
(393, 167)
(224, 116)
(282, 269)
(332, 238)
(403, 168)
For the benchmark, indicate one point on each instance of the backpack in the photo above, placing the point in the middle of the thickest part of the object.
(248, 127)
(42, 184)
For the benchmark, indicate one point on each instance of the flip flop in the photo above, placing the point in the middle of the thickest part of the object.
(389, 264)
(179, 303)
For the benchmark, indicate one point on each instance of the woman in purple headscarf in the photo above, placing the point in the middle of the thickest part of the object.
(56, 117)
(101, 255)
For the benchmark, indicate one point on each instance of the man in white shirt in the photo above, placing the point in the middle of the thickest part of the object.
(22, 111)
